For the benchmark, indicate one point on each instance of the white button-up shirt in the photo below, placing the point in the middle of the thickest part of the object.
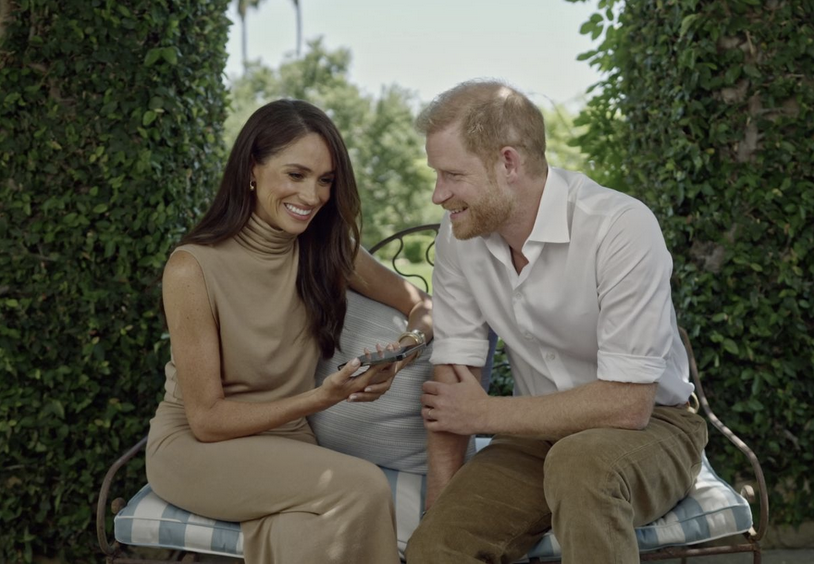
(592, 303)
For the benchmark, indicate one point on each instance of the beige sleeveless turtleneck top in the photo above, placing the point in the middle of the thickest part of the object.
(266, 349)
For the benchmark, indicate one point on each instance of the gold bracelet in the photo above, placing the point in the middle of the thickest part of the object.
(417, 336)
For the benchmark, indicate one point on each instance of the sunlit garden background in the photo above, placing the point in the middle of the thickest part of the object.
(115, 119)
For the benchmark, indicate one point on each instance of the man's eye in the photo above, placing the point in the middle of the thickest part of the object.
(295, 175)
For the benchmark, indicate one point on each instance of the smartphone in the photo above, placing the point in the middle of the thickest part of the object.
(387, 356)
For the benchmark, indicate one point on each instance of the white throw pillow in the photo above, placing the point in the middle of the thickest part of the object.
(388, 432)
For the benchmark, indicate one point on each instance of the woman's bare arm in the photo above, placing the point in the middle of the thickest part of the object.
(196, 351)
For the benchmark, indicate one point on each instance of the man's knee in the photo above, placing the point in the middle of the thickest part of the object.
(579, 471)
(432, 540)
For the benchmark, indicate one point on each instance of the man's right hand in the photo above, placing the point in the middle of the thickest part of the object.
(459, 407)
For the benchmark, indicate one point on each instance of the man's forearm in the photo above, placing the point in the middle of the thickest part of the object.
(446, 452)
(445, 455)
(599, 404)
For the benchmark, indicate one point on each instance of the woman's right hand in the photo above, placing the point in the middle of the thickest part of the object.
(342, 385)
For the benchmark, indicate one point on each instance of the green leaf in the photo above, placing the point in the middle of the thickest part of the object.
(152, 56)
(57, 408)
(148, 118)
(587, 27)
(731, 346)
(751, 71)
(733, 73)
(686, 23)
(170, 54)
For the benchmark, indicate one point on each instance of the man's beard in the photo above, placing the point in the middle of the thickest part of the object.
(488, 214)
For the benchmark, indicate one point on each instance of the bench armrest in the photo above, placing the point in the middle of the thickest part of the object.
(101, 506)
(763, 496)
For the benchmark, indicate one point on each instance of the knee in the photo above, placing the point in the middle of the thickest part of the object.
(442, 534)
(374, 482)
(419, 546)
(426, 543)
(577, 472)
(363, 483)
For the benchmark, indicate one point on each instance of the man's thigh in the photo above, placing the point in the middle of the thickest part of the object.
(651, 469)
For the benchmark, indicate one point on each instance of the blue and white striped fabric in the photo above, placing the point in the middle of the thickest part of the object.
(712, 510)
(148, 520)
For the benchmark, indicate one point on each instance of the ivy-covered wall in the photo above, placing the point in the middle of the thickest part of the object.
(110, 140)
(707, 114)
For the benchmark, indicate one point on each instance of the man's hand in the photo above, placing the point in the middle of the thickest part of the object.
(458, 408)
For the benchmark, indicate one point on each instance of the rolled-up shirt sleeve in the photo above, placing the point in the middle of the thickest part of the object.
(635, 324)
(461, 333)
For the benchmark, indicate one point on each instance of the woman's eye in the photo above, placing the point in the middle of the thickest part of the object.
(327, 181)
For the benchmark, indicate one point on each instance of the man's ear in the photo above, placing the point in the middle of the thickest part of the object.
(510, 163)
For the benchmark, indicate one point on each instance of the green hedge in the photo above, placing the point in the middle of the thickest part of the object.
(111, 119)
(706, 115)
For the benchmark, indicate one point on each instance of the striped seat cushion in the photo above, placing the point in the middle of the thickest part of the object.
(712, 510)
(148, 520)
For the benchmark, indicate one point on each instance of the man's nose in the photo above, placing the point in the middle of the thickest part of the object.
(440, 194)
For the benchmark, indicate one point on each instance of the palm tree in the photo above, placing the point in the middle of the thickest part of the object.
(299, 26)
(243, 7)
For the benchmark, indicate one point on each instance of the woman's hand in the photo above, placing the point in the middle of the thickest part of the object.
(366, 386)
(380, 383)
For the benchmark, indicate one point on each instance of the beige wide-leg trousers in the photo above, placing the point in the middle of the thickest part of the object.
(296, 502)
(592, 487)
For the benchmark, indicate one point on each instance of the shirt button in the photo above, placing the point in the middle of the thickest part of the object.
(529, 336)
(550, 356)
(516, 296)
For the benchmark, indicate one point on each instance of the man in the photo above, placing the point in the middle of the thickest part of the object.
(575, 278)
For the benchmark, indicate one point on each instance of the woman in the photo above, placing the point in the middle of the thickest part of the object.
(253, 295)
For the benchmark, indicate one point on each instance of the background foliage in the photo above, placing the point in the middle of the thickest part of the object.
(110, 143)
(706, 115)
(110, 138)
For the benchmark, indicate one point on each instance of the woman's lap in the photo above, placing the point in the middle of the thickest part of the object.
(250, 477)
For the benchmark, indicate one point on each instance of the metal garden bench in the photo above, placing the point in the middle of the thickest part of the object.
(712, 510)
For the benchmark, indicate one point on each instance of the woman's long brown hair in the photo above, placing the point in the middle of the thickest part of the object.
(329, 244)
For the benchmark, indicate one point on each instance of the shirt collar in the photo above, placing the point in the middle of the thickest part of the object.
(551, 225)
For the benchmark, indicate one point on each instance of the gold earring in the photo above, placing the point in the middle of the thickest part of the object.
(252, 185)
